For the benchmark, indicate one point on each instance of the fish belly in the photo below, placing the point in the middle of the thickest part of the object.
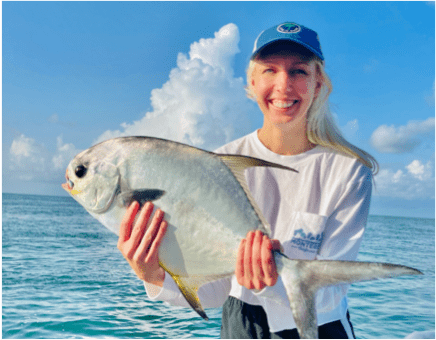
(207, 210)
(205, 230)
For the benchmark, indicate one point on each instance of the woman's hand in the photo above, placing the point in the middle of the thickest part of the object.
(255, 265)
(140, 243)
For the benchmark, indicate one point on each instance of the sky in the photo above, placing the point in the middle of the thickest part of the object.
(76, 73)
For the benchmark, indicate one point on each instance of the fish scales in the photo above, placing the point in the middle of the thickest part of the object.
(209, 209)
(211, 198)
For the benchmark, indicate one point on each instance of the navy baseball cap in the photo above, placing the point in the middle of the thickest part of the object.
(289, 31)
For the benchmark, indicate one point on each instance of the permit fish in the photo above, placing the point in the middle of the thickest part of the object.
(209, 210)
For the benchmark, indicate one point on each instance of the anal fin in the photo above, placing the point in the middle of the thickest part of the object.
(189, 289)
(188, 286)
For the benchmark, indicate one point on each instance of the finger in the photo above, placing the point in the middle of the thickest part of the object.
(141, 225)
(126, 223)
(258, 274)
(154, 249)
(248, 267)
(268, 262)
(149, 235)
(239, 271)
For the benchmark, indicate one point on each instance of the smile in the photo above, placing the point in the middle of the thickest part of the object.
(283, 104)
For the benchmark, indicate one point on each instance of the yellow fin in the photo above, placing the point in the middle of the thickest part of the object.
(189, 288)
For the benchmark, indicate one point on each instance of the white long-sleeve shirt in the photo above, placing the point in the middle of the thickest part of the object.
(320, 213)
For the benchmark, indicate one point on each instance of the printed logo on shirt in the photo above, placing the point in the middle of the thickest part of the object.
(306, 242)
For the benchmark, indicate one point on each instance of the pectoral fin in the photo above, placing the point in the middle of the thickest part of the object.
(141, 196)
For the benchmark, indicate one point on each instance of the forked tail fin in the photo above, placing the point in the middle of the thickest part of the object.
(303, 278)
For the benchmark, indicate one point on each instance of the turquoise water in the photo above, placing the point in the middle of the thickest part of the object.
(63, 277)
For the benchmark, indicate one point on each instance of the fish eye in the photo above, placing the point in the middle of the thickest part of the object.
(80, 171)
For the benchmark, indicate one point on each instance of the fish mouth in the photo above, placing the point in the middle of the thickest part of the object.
(69, 185)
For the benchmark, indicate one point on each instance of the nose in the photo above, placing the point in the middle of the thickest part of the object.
(284, 82)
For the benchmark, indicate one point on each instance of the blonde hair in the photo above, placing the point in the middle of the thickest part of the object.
(321, 126)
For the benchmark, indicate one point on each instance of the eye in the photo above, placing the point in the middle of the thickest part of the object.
(80, 171)
(298, 72)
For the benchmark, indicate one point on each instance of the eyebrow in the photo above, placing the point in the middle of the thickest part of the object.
(266, 61)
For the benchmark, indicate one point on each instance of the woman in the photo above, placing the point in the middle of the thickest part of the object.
(319, 215)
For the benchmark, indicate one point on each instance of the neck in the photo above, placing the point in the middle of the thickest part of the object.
(284, 143)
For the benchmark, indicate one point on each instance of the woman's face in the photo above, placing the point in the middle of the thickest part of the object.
(285, 86)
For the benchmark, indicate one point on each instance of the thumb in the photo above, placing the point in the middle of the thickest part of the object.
(276, 245)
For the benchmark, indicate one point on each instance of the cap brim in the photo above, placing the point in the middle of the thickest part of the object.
(309, 48)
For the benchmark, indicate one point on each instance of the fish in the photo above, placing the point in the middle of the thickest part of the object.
(209, 210)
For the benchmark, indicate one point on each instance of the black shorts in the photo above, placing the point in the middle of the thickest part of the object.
(243, 321)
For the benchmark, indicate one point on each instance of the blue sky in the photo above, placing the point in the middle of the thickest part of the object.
(75, 73)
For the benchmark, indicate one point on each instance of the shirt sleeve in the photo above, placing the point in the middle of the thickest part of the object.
(344, 232)
(346, 225)
(211, 295)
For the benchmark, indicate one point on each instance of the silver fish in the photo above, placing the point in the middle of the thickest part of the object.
(209, 209)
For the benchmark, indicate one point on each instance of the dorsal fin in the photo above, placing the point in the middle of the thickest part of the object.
(237, 164)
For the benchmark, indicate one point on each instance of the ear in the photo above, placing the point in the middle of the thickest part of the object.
(249, 90)
(319, 81)
(252, 83)
(318, 87)
(250, 80)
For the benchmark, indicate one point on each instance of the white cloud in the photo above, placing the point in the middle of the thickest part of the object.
(391, 139)
(202, 103)
(26, 157)
(420, 171)
(218, 52)
(65, 153)
(415, 181)
(29, 160)
(54, 119)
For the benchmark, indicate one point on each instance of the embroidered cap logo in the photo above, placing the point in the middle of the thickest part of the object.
(289, 28)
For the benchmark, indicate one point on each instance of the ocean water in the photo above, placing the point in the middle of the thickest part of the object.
(63, 277)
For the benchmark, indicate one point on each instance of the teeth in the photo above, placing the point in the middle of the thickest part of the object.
(283, 105)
